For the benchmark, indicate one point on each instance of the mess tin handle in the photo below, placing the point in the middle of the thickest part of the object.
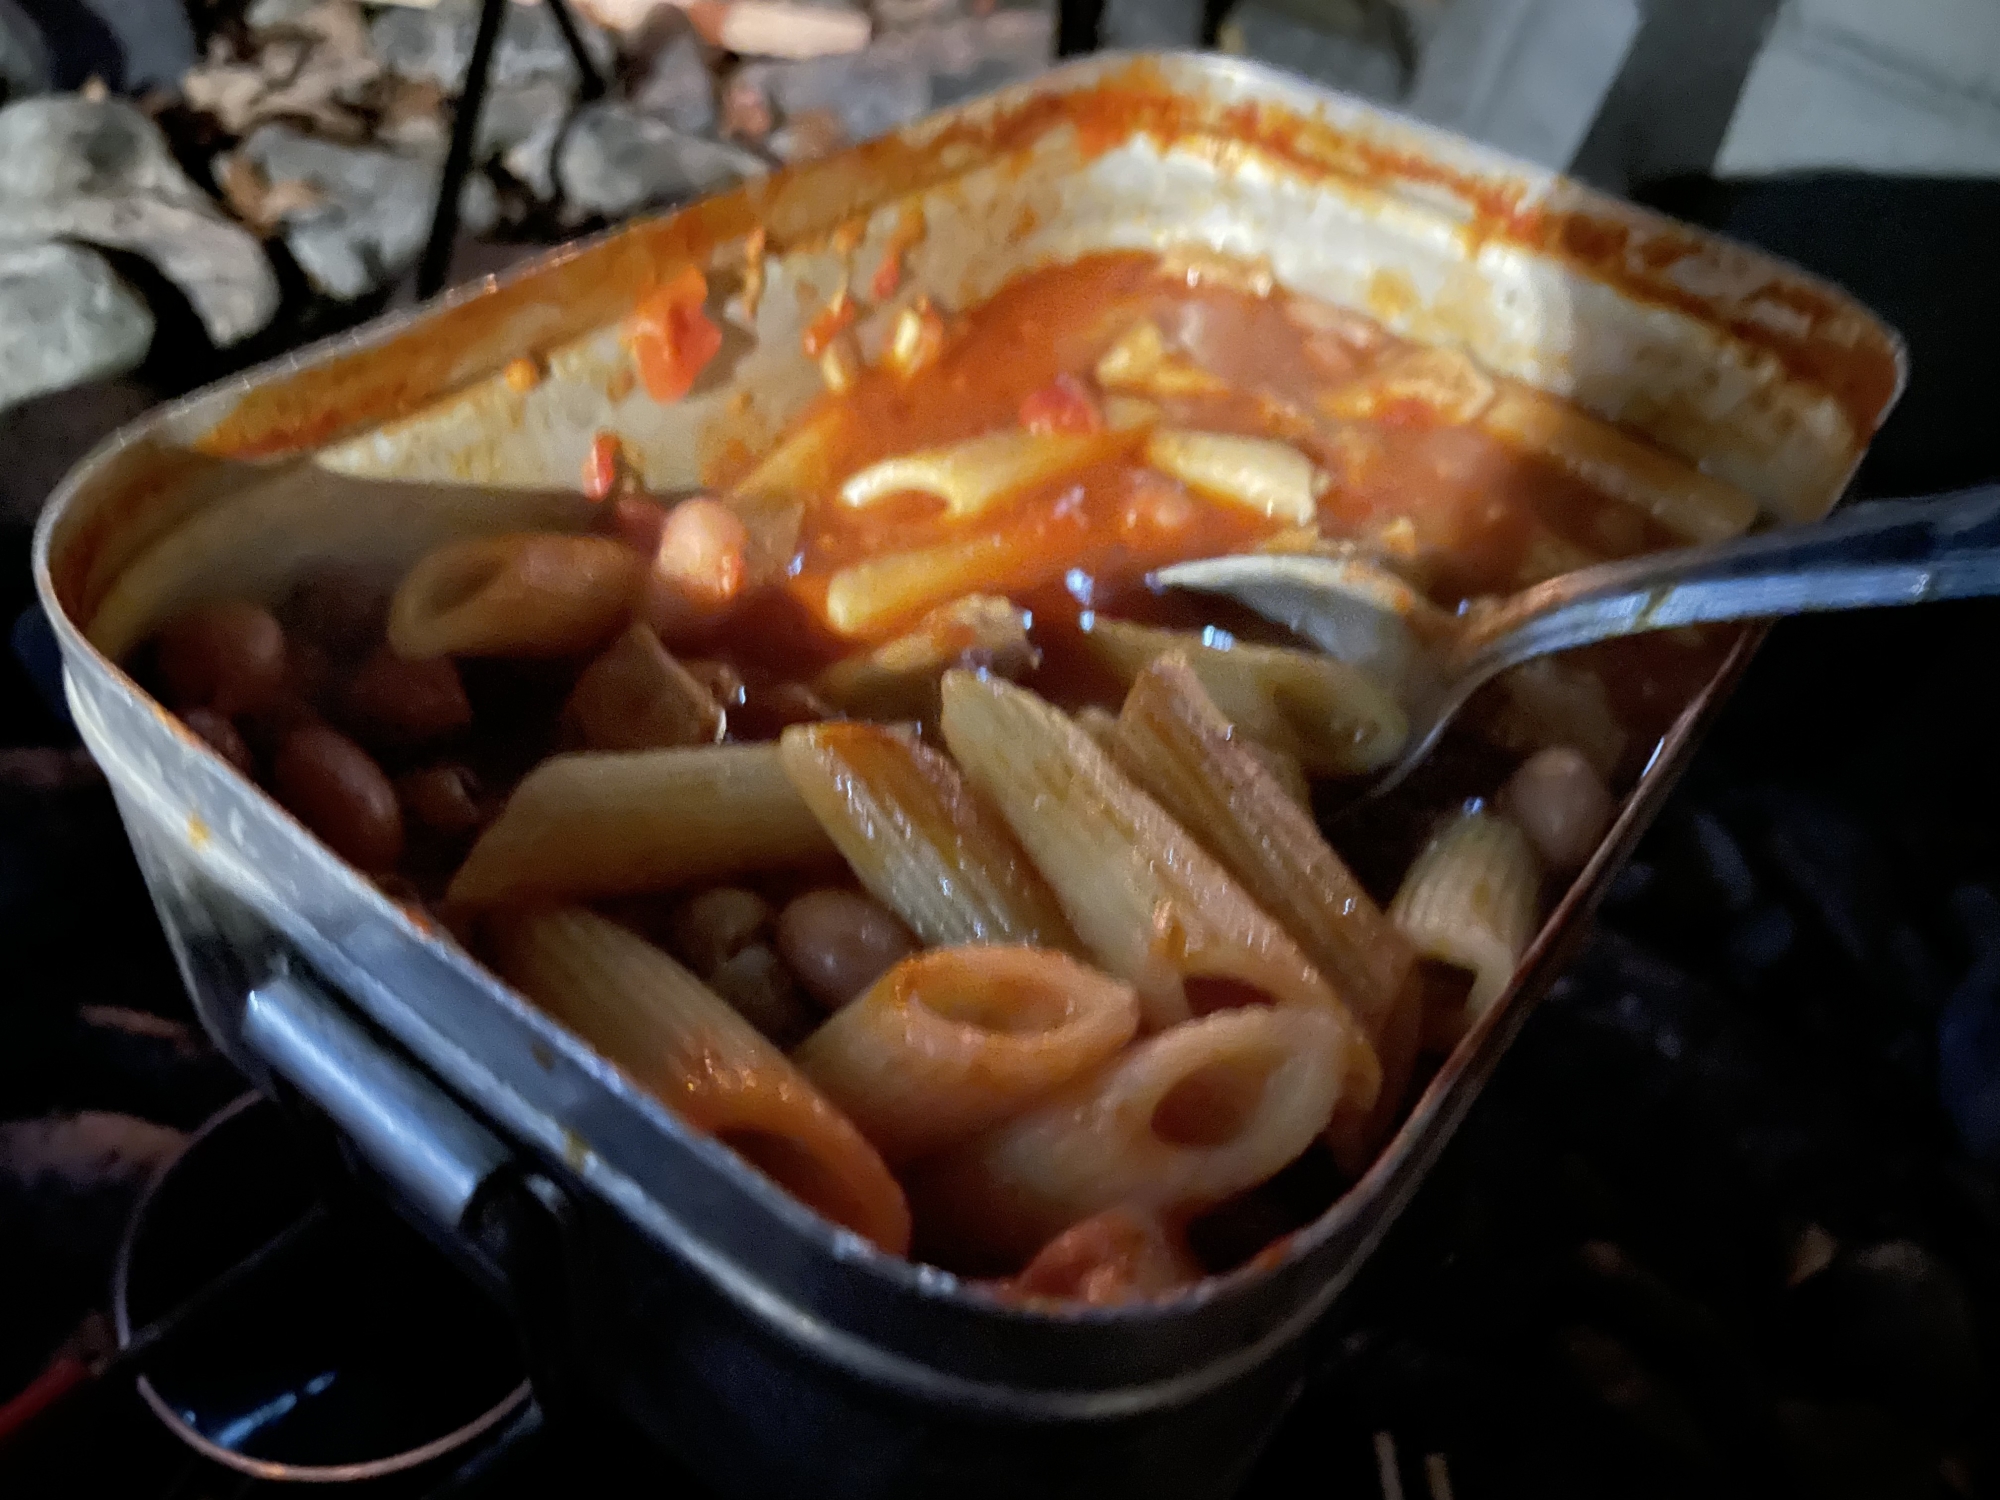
(446, 1164)
(401, 1123)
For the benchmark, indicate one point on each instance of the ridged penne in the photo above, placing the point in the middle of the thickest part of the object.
(1175, 744)
(1259, 475)
(899, 679)
(1444, 382)
(1331, 717)
(1197, 1114)
(583, 826)
(1471, 900)
(1124, 1254)
(521, 594)
(869, 598)
(1679, 496)
(685, 1046)
(1141, 362)
(636, 696)
(919, 838)
(973, 476)
(955, 1040)
(1152, 906)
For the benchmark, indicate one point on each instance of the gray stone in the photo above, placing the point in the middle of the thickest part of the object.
(903, 74)
(274, 15)
(437, 43)
(65, 318)
(100, 171)
(1354, 52)
(613, 160)
(154, 39)
(675, 86)
(519, 111)
(24, 55)
(373, 211)
(1150, 23)
(532, 161)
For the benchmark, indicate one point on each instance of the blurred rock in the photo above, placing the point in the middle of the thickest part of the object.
(373, 211)
(901, 75)
(65, 318)
(437, 44)
(1145, 24)
(1352, 49)
(613, 160)
(153, 40)
(24, 54)
(314, 66)
(673, 82)
(100, 171)
(532, 161)
(514, 114)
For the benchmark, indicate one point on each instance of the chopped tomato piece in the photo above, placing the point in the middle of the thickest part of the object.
(1063, 405)
(836, 316)
(671, 337)
(602, 466)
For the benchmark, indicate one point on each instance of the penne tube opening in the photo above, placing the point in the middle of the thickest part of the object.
(520, 594)
(1470, 901)
(684, 1045)
(1186, 1119)
(954, 1040)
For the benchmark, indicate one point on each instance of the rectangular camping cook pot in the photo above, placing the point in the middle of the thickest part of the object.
(776, 1355)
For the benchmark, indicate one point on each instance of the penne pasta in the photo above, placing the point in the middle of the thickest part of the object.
(955, 1040)
(683, 1045)
(255, 542)
(590, 825)
(870, 597)
(1190, 1117)
(520, 594)
(973, 476)
(1470, 901)
(919, 839)
(1331, 717)
(899, 679)
(1124, 1254)
(1681, 498)
(1175, 744)
(1549, 702)
(1442, 382)
(636, 696)
(1153, 907)
(1141, 363)
(1255, 474)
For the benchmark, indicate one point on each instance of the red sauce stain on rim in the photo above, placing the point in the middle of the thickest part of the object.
(1815, 332)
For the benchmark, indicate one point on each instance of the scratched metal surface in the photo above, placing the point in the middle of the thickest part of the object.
(1731, 359)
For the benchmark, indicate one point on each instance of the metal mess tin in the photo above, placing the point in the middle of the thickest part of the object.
(773, 1353)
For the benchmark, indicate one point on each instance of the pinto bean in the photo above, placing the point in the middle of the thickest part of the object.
(223, 737)
(393, 702)
(228, 656)
(712, 928)
(445, 799)
(1561, 803)
(333, 786)
(698, 569)
(840, 942)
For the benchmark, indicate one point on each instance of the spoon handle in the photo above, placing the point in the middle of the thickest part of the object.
(1868, 556)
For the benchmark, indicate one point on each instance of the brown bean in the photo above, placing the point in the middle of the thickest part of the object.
(396, 703)
(223, 737)
(334, 788)
(1561, 803)
(445, 799)
(228, 656)
(840, 942)
(708, 930)
(760, 989)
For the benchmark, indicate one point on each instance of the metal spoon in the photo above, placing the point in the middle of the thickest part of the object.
(1865, 557)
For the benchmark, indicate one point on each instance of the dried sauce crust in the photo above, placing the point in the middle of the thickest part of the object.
(1812, 331)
